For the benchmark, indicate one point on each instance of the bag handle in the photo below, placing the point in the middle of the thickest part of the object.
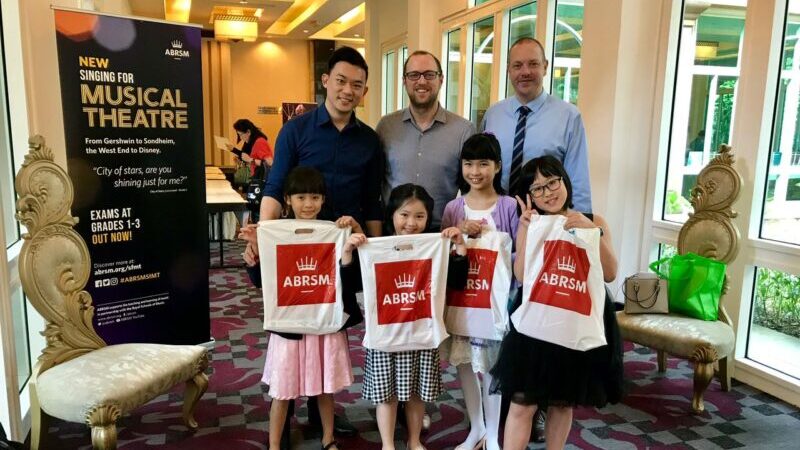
(655, 266)
(640, 301)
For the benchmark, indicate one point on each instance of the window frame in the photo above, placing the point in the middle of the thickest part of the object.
(499, 9)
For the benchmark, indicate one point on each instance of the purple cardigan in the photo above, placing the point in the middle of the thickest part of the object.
(504, 214)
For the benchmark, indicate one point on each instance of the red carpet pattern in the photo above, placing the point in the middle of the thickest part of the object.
(233, 414)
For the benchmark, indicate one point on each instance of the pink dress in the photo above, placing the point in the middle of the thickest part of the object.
(314, 365)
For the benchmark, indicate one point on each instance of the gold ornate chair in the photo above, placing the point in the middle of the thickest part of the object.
(78, 377)
(709, 232)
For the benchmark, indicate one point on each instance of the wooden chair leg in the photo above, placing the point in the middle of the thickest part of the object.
(195, 388)
(103, 420)
(662, 361)
(39, 421)
(703, 359)
(724, 373)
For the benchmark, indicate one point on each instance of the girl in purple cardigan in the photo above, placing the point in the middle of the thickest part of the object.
(482, 207)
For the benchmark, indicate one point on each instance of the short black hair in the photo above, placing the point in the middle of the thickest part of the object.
(481, 146)
(525, 39)
(350, 56)
(547, 166)
(423, 53)
(402, 194)
(304, 180)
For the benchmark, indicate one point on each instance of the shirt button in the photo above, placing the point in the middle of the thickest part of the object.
(419, 154)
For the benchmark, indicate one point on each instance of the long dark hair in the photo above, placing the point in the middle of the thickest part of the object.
(481, 146)
(243, 126)
(302, 180)
(402, 194)
(547, 166)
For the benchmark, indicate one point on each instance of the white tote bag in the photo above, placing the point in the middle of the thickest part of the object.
(301, 284)
(562, 291)
(405, 279)
(480, 310)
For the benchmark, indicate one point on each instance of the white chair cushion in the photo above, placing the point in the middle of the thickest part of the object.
(676, 335)
(125, 375)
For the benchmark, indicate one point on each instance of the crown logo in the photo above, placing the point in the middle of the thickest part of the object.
(474, 268)
(306, 264)
(566, 264)
(404, 281)
(177, 44)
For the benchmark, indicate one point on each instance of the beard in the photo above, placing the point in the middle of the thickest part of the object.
(432, 100)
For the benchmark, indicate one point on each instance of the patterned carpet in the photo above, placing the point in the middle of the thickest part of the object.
(656, 413)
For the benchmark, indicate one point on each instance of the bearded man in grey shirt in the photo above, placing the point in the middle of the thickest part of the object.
(422, 143)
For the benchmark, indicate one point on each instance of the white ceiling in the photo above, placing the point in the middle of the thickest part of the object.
(271, 11)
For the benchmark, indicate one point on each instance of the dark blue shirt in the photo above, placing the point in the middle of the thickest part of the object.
(350, 160)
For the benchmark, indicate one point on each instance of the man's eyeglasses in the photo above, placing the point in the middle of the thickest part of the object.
(428, 74)
(552, 185)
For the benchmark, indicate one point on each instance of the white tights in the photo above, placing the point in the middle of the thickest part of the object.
(479, 405)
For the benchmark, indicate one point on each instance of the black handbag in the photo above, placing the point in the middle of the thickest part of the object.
(254, 191)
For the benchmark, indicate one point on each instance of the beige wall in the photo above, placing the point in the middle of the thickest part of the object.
(267, 74)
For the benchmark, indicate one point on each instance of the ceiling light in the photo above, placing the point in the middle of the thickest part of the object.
(357, 35)
(305, 31)
(177, 10)
(706, 50)
(235, 23)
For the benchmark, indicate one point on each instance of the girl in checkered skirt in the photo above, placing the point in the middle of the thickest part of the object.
(482, 207)
(414, 376)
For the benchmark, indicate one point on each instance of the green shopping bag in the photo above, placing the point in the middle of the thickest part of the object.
(242, 175)
(694, 284)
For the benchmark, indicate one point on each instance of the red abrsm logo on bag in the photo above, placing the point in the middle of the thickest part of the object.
(306, 274)
(562, 281)
(404, 291)
(478, 292)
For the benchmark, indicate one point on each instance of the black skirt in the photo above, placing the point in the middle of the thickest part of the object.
(531, 371)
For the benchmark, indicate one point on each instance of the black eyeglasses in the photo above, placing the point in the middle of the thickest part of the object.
(551, 185)
(428, 74)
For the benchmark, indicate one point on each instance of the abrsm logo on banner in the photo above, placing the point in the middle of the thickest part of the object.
(478, 292)
(306, 274)
(404, 291)
(562, 281)
(176, 50)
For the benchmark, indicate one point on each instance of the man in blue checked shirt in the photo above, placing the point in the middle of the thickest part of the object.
(533, 123)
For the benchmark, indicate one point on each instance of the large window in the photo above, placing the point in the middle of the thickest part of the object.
(453, 65)
(482, 58)
(389, 82)
(705, 89)
(567, 43)
(521, 23)
(781, 215)
(401, 90)
(775, 329)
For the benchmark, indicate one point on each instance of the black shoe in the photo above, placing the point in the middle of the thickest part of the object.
(341, 427)
(539, 420)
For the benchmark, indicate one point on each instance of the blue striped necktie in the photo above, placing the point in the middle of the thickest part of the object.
(516, 156)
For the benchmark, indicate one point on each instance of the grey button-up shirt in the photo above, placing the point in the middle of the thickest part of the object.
(428, 158)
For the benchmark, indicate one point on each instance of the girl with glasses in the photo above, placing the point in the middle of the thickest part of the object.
(537, 374)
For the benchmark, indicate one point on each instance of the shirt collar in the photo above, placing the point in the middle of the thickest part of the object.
(441, 114)
(323, 117)
(534, 105)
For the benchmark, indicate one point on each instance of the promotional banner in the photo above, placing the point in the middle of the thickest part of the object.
(133, 122)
